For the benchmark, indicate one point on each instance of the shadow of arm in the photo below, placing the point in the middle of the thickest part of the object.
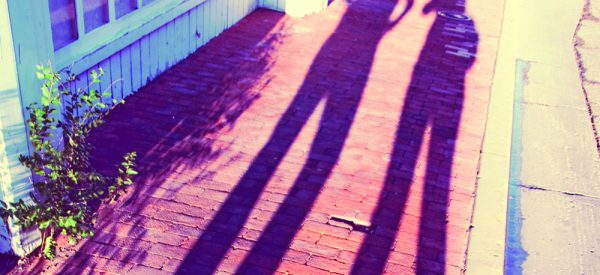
(409, 6)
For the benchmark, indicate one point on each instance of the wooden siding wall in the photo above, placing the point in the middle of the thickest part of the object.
(143, 60)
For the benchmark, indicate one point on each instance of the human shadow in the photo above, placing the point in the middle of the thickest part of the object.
(432, 109)
(173, 124)
(7, 263)
(337, 76)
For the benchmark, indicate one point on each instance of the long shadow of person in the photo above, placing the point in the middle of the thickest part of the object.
(338, 76)
(171, 135)
(433, 107)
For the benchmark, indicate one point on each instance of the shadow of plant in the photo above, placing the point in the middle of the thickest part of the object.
(174, 124)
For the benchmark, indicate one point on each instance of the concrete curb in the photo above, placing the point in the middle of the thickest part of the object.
(485, 251)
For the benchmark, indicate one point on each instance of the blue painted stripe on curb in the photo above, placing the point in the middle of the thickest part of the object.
(514, 254)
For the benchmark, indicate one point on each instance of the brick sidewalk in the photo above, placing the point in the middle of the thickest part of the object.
(256, 148)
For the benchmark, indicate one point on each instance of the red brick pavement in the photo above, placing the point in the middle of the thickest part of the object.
(250, 146)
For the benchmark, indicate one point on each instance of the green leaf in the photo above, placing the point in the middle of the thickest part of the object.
(45, 224)
(67, 183)
(131, 172)
(50, 248)
(45, 101)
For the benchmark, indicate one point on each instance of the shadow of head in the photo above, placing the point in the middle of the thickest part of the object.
(458, 6)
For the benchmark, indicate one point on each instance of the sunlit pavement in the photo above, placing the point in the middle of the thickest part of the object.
(545, 147)
(342, 142)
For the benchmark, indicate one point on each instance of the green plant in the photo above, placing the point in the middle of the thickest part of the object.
(68, 190)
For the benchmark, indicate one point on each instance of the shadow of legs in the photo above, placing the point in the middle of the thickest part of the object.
(324, 154)
(435, 97)
(231, 217)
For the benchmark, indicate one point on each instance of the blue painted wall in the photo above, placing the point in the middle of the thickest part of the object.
(131, 67)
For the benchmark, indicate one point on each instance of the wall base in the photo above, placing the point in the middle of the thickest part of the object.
(295, 8)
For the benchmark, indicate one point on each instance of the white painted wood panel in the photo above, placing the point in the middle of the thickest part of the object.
(105, 81)
(127, 74)
(155, 52)
(135, 65)
(154, 48)
(192, 28)
(116, 79)
(136, 69)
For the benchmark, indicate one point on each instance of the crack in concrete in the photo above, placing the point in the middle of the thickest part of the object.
(577, 42)
(572, 194)
(555, 106)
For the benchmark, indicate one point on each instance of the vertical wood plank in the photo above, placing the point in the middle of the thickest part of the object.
(241, 8)
(177, 45)
(93, 86)
(214, 20)
(153, 53)
(207, 21)
(231, 11)
(126, 72)
(82, 85)
(224, 13)
(105, 80)
(200, 26)
(170, 41)
(136, 66)
(184, 36)
(176, 40)
(193, 30)
(115, 76)
(220, 13)
(147, 62)
(238, 11)
(162, 51)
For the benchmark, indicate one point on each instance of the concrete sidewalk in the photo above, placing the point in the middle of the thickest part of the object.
(547, 144)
